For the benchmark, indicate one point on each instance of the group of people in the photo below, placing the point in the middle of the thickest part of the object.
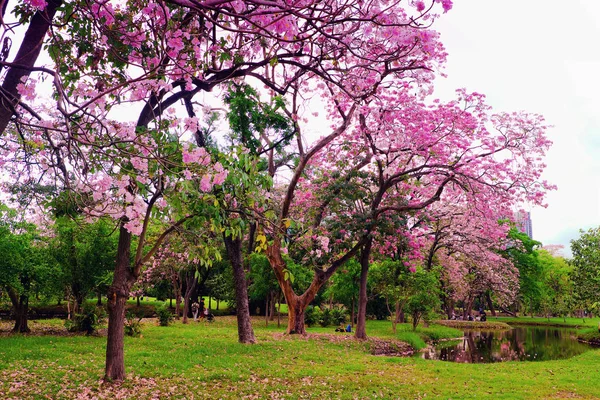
(481, 317)
(199, 311)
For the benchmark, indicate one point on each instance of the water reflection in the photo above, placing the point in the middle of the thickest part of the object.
(518, 344)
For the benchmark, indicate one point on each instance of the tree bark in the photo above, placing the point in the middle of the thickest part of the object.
(25, 59)
(118, 293)
(296, 314)
(296, 304)
(490, 304)
(21, 307)
(468, 306)
(191, 284)
(361, 330)
(352, 322)
(234, 252)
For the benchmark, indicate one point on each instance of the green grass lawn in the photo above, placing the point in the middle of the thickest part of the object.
(204, 361)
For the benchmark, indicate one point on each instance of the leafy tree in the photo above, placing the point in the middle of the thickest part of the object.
(371, 74)
(393, 280)
(425, 298)
(557, 285)
(86, 252)
(25, 266)
(586, 268)
(344, 287)
(523, 255)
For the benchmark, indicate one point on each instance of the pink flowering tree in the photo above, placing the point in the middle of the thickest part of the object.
(399, 155)
(467, 240)
(109, 134)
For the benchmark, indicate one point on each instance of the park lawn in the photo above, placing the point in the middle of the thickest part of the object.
(202, 360)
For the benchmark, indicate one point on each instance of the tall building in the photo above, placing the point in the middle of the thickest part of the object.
(523, 221)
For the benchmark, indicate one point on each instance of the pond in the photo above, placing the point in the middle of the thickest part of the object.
(523, 343)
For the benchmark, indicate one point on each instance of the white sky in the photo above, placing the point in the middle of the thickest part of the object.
(540, 56)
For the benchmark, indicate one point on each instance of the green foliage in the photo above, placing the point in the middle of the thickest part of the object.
(86, 254)
(249, 116)
(88, 321)
(26, 267)
(133, 326)
(525, 258)
(325, 315)
(557, 287)
(425, 296)
(338, 315)
(344, 285)
(586, 268)
(165, 316)
(311, 315)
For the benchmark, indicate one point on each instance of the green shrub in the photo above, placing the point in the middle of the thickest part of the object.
(133, 326)
(338, 315)
(88, 320)
(165, 316)
(325, 317)
(311, 315)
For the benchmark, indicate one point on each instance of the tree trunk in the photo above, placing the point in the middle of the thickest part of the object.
(490, 304)
(191, 284)
(296, 304)
(352, 311)
(468, 307)
(178, 305)
(20, 306)
(118, 293)
(361, 330)
(395, 319)
(267, 308)
(278, 309)
(99, 302)
(272, 307)
(234, 252)
(296, 314)
(26, 58)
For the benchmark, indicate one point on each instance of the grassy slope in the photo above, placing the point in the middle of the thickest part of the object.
(203, 360)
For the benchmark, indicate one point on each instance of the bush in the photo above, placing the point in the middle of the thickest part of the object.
(165, 316)
(338, 315)
(325, 316)
(133, 326)
(311, 315)
(88, 320)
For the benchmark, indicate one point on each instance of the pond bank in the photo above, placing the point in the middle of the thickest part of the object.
(487, 325)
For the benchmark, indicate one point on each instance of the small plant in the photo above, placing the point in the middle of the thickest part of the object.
(88, 320)
(165, 316)
(338, 315)
(133, 327)
(325, 317)
(311, 315)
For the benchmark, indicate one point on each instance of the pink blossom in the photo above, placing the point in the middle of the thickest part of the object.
(446, 4)
(205, 184)
(39, 4)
